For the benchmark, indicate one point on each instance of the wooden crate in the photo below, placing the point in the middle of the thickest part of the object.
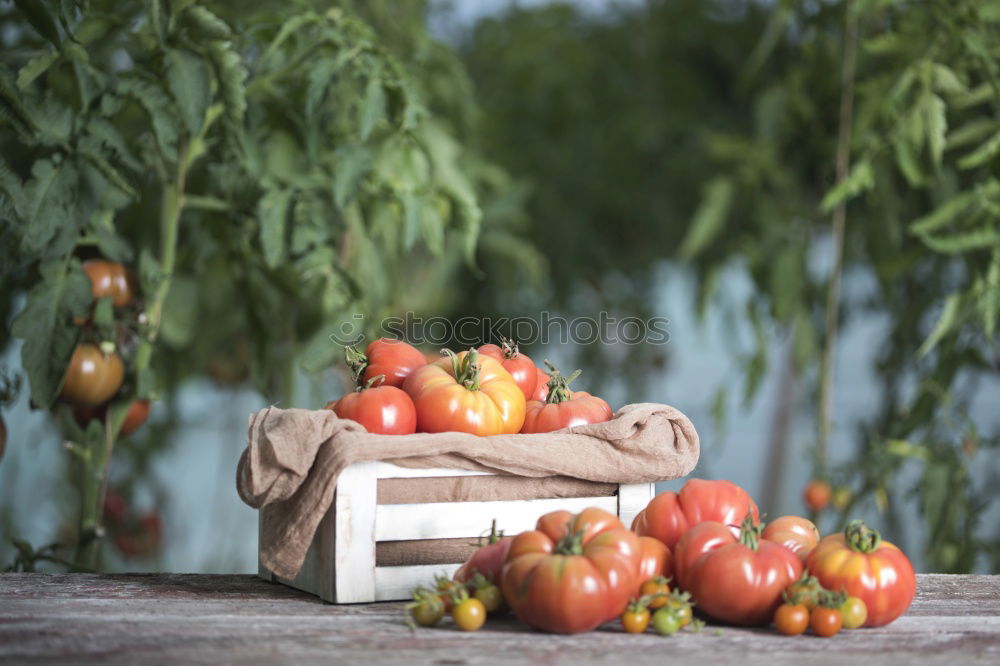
(341, 564)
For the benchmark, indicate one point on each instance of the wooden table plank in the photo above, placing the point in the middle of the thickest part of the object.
(202, 619)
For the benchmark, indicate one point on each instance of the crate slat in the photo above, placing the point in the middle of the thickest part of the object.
(354, 525)
(633, 498)
(384, 470)
(395, 583)
(452, 520)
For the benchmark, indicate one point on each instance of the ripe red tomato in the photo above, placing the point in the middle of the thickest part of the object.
(669, 515)
(564, 408)
(137, 414)
(571, 573)
(861, 563)
(541, 392)
(817, 495)
(736, 580)
(92, 376)
(382, 410)
(487, 560)
(791, 619)
(520, 367)
(825, 622)
(108, 278)
(393, 359)
(795, 533)
(466, 393)
(655, 562)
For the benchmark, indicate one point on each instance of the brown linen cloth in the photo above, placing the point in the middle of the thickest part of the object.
(294, 456)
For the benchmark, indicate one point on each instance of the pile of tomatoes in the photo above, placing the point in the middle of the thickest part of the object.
(491, 390)
(702, 550)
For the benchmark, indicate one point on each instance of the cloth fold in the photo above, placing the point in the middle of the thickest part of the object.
(294, 456)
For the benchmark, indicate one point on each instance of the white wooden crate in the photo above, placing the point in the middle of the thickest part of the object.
(340, 566)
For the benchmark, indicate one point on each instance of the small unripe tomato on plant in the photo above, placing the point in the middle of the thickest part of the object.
(92, 376)
(110, 279)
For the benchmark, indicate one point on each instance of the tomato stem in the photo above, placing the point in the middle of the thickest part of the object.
(750, 532)
(862, 538)
(571, 544)
(510, 350)
(558, 385)
(467, 369)
(357, 362)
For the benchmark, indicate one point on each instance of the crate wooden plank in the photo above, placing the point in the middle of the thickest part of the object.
(384, 470)
(633, 498)
(396, 583)
(354, 541)
(451, 520)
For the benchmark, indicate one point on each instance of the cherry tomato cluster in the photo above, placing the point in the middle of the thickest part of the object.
(468, 603)
(491, 390)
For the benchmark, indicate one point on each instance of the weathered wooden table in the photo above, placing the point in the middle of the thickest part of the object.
(201, 619)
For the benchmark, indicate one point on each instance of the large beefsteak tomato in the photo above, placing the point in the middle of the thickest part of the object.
(571, 573)
(466, 393)
(654, 560)
(735, 579)
(394, 359)
(875, 571)
(488, 560)
(520, 367)
(669, 515)
(564, 408)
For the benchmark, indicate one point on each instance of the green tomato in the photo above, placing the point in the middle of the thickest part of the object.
(854, 612)
(666, 622)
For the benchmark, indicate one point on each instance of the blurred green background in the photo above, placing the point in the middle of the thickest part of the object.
(668, 158)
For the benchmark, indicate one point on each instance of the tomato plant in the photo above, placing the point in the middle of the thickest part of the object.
(426, 609)
(466, 392)
(858, 561)
(817, 494)
(564, 408)
(572, 572)
(737, 580)
(392, 359)
(669, 515)
(635, 617)
(791, 619)
(383, 410)
(854, 612)
(520, 367)
(110, 279)
(488, 559)
(795, 533)
(92, 376)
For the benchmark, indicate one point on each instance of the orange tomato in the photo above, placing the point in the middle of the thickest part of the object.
(564, 408)
(655, 561)
(817, 495)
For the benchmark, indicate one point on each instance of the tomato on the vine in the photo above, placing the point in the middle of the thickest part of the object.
(520, 367)
(92, 376)
(791, 619)
(817, 494)
(666, 622)
(657, 589)
(382, 410)
(110, 279)
(795, 533)
(861, 563)
(854, 612)
(138, 412)
(669, 515)
(466, 393)
(486, 591)
(394, 359)
(572, 572)
(635, 617)
(564, 408)
(735, 580)
(805, 591)
(447, 589)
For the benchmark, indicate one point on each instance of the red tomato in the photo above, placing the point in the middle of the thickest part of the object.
(736, 580)
(564, 408)
(795, 533)
(669, 515)
(466, 393)
(108, 278)
(92, 376)
(654, 560)
(541, 386)
(825, 622)
(487, 560)
(382, 410)
(861, 563)
(571, 573)
(817, 495)
(394, 359)
(137, 414)
(520, 367)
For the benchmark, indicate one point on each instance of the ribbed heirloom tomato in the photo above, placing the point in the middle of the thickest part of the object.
(394, 359)
(654, 561)
(564, 408)
(541, 386)
(383, 410)
(466, 393)
(669, 515)
(795, 533)
(487, 560)
(92, 376)
(520, 367)
(861, 563)
(735, 579)
(571, 573)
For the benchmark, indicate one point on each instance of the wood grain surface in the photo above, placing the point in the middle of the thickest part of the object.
(205, 619)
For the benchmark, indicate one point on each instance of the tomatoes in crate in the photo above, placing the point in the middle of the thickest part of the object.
(382, 410)
(395, 360)
(564, 408)
(520, 367)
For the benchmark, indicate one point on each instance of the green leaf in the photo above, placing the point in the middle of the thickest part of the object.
(112, 174)
(906, 160)
(946, 81)
(46, 326)
(272, 213)
(40, 19)
(104, 314)
(963, 242)
(150, 271)
(710, 218)
(179, 322)
(288, 28)
(188, 80)
(982, 154)
(232, 76)
(946, 321)
(205, 24)
(373, 106)
(989, 301)
(353, 162)
(12, 105)
(432, 227)
(861, 178)
(47, 205)
(936, 122)
(111, 245)
(35, 68)
(161, 112)
(411, 219)
(971, 132)
(944, 213)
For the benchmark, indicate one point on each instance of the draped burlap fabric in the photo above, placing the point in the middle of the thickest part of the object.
(294, 456)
